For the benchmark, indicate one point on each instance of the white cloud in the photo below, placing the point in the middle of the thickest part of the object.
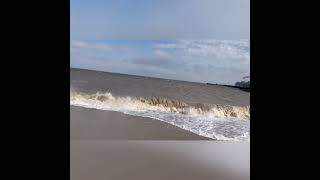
(204, 60)
(103, 47)
(220, 49)
(162, 54)
(77, 45)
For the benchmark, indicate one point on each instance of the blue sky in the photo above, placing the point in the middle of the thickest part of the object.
(193, 40)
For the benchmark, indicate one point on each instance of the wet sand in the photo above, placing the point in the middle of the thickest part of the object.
(93, 124)
(159, 160)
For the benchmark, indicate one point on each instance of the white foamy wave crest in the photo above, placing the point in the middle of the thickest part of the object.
(213, 121)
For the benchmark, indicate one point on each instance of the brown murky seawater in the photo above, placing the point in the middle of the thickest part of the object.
(90, 82)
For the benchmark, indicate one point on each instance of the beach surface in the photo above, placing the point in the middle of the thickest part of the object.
(159, 160)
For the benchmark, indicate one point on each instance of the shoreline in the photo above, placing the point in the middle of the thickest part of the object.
(94, 124)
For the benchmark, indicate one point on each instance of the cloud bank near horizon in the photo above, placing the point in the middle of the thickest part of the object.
(202, 60)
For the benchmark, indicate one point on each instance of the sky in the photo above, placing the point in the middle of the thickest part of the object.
(192, 40)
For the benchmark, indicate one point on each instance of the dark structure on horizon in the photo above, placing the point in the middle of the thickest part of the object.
(245, 84)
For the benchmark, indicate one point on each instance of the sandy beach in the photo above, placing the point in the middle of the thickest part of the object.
(159, 160)
(107, 145)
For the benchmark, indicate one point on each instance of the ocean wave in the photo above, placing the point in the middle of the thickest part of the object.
(221, 122)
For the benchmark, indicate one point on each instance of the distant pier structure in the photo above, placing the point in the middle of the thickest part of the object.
(245, 83)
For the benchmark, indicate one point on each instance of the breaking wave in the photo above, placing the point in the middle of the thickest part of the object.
(220, 122)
